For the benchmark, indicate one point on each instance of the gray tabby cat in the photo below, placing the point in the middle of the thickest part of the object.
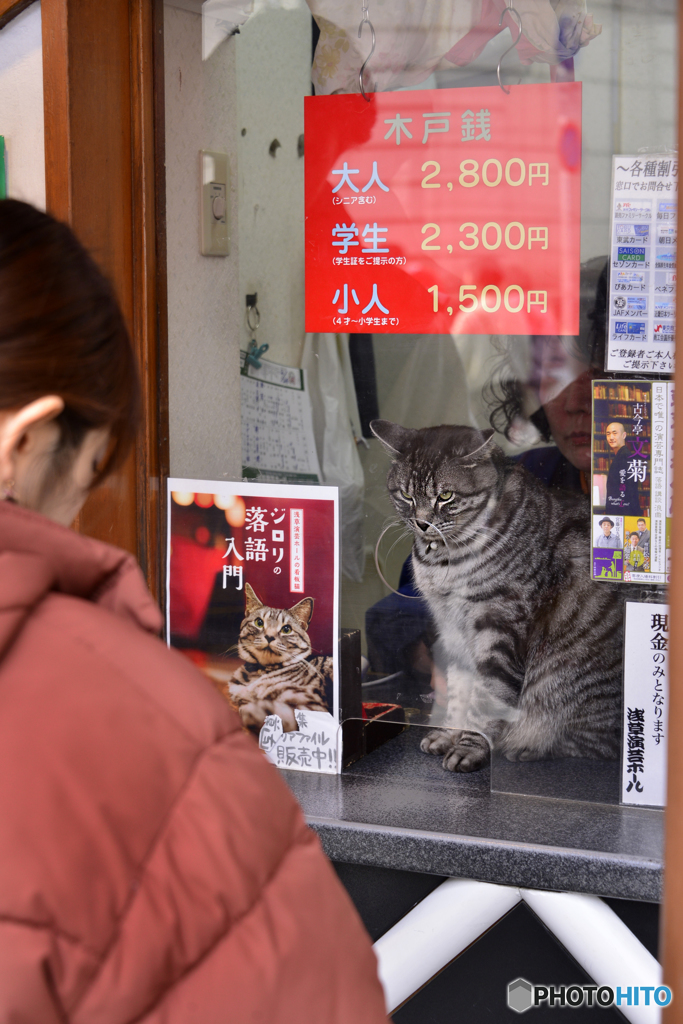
(279, 676)
(532, 646)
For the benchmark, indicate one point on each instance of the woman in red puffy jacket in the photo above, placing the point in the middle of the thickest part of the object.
(153, 865)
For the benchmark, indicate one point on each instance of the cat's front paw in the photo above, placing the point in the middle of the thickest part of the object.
(439, 741)
(463, 751)
(469, 754)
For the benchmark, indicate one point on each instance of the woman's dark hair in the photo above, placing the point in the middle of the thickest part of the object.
(505, 395)
(62, 333)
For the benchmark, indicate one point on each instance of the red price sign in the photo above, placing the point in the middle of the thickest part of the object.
(444, 211)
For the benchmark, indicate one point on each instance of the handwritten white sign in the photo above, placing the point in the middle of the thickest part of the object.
(314, 747)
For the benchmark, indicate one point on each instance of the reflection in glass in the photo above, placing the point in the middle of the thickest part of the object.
(536, 392)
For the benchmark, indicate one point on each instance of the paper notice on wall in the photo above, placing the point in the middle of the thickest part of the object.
(642, 294)
(278, 445)
(646, 700)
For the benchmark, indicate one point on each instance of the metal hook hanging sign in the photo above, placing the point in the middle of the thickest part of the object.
(518, 19)
(365, 20)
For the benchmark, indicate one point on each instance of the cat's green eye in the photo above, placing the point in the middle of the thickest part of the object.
(445, 495)
(408, 497)
(286, 629)
(259, 623)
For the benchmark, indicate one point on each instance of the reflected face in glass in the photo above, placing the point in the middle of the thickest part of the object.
(615, 436)
(565, 394)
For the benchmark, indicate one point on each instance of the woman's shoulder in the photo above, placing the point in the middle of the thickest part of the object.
(78, 610)
(93, 650)
(124, 779)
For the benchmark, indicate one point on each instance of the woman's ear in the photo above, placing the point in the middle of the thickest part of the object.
(15, 430)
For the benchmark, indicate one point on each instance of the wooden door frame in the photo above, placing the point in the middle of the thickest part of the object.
(10, 8)
(672, 902)
(103, 87)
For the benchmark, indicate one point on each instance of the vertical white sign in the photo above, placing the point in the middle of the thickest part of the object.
(642, 294)
(671, 389)
(646, 701)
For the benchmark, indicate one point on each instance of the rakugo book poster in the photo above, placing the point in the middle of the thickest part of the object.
(632, 480)
(252, 600)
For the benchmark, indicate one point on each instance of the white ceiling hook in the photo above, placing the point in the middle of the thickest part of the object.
(518, 18)
(365, 20)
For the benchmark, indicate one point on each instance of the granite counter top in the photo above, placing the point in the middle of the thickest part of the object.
(398, 808)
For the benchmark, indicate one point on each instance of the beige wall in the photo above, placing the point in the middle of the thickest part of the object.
(204, 309)
(246, 94)
(21, 106)
(629, 76)
(273, 56)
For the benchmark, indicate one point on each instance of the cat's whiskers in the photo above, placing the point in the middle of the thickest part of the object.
(406, 530)
(398, 540)
(433, 545)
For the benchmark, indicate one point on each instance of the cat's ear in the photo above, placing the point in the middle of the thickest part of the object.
(303, 611)
(252, 601)
(395, 438)
(482, 447)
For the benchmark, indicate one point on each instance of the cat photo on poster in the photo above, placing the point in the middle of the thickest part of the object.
(252, 600)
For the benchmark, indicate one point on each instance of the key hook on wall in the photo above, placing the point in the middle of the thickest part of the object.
(254, 352)
(253, 315)
(365, 20)
(518, 19)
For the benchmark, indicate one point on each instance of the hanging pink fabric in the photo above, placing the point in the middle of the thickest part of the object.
(551, 33)
(414, 37)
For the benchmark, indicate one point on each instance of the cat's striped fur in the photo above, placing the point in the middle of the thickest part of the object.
(531, 646)
(280, 675)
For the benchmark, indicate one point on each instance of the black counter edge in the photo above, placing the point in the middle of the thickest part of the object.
(502, 862)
